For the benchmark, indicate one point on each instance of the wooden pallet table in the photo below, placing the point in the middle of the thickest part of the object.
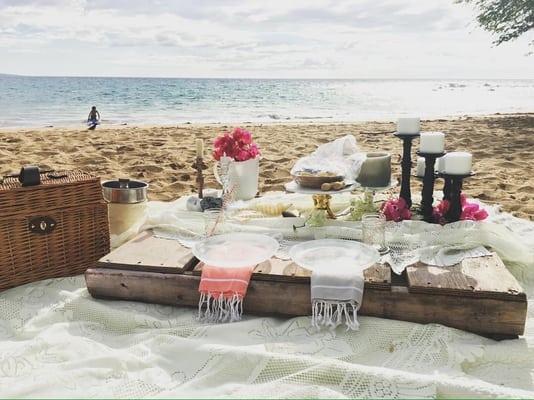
(477, 295)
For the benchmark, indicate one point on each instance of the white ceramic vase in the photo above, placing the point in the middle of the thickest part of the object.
(243, 177)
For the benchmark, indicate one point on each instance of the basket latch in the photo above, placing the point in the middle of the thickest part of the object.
(42, 225)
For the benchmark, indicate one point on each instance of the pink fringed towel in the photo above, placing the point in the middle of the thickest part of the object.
(221, 293)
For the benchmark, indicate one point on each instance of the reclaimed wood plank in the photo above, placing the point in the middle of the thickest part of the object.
(474, 277)
(149, 253)
(477, 295)
(485, 316)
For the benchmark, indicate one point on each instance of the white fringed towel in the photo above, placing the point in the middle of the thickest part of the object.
(336, 296)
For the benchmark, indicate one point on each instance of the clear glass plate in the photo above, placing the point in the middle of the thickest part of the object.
(333, 254)
(234, 250)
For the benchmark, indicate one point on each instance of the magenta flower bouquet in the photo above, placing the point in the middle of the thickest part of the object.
(396, 210)
(470, 211)
(238, 145)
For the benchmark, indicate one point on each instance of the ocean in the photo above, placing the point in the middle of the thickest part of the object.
(66, 101)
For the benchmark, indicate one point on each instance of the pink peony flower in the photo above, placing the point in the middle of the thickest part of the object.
(470, 211)
(254, 151)
(246, 137)
(438, 212)
(242, 155)
(237, 145)
(396, 210)
(218, 153)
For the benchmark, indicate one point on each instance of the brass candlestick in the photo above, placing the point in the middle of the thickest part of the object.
(322, 202)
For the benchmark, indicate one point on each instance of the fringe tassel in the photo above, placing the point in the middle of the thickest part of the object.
(215, 308)
(330, 314)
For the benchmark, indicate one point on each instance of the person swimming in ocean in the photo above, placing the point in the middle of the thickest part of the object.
(93, 119)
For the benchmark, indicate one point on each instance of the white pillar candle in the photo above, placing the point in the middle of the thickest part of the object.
(408, 126)
(458, 163)
(421, 164)
(432, 142)
(200, 147)
(440, 164)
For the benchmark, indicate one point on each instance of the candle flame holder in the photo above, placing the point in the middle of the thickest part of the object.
(453, 194)
(406, 165)
(427, 199)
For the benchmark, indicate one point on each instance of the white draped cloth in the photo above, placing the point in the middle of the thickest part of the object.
(57, 341)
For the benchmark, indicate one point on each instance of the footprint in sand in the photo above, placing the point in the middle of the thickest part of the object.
(145, 168)
(176, 186)
(508, 164)
(46, 153)
(12, 140)
(275, 181)
(526, 189)
(125, 148)
(177, 166)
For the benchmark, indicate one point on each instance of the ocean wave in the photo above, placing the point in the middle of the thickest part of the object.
(309, 117)
(273, 116)
(282, 117)
(37, 101)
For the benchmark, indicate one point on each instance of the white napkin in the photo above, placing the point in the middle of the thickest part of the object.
(336, 296)
(341, 156)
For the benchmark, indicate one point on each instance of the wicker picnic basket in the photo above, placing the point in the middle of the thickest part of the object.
(56, 227)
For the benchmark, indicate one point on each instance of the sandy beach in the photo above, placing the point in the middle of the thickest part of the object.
(502, 147)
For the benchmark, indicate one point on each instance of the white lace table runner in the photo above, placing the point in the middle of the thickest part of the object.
(409, 241)
(57, 341)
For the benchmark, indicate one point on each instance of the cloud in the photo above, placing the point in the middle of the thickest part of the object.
(323, 38)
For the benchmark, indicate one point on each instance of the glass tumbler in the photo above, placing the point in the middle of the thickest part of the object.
(374, 231)
(213, 221)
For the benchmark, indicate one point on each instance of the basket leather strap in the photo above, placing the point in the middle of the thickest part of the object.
(30, 175)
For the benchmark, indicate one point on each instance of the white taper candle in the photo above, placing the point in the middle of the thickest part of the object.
(200, 147)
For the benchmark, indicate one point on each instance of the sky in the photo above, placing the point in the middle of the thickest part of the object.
(254, 39)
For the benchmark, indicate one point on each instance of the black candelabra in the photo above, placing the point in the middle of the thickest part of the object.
(447, 183)
(427, 199)
(453, 194)
(406, 165)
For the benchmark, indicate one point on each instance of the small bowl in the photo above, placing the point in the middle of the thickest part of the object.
(315, 181)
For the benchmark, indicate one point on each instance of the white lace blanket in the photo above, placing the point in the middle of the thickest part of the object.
(56, 341)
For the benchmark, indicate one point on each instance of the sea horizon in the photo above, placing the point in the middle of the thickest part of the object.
(64, 101)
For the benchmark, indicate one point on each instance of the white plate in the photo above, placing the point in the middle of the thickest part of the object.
(333, 254)
(294, 187)
(234, 250)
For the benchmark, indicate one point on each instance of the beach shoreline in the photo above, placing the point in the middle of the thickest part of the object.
(322, 121)
(163, 155)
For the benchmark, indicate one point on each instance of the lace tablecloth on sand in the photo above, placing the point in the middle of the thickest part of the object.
(56, 341)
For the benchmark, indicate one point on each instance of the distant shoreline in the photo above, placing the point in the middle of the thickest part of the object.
(104, 126)
(263, 78)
